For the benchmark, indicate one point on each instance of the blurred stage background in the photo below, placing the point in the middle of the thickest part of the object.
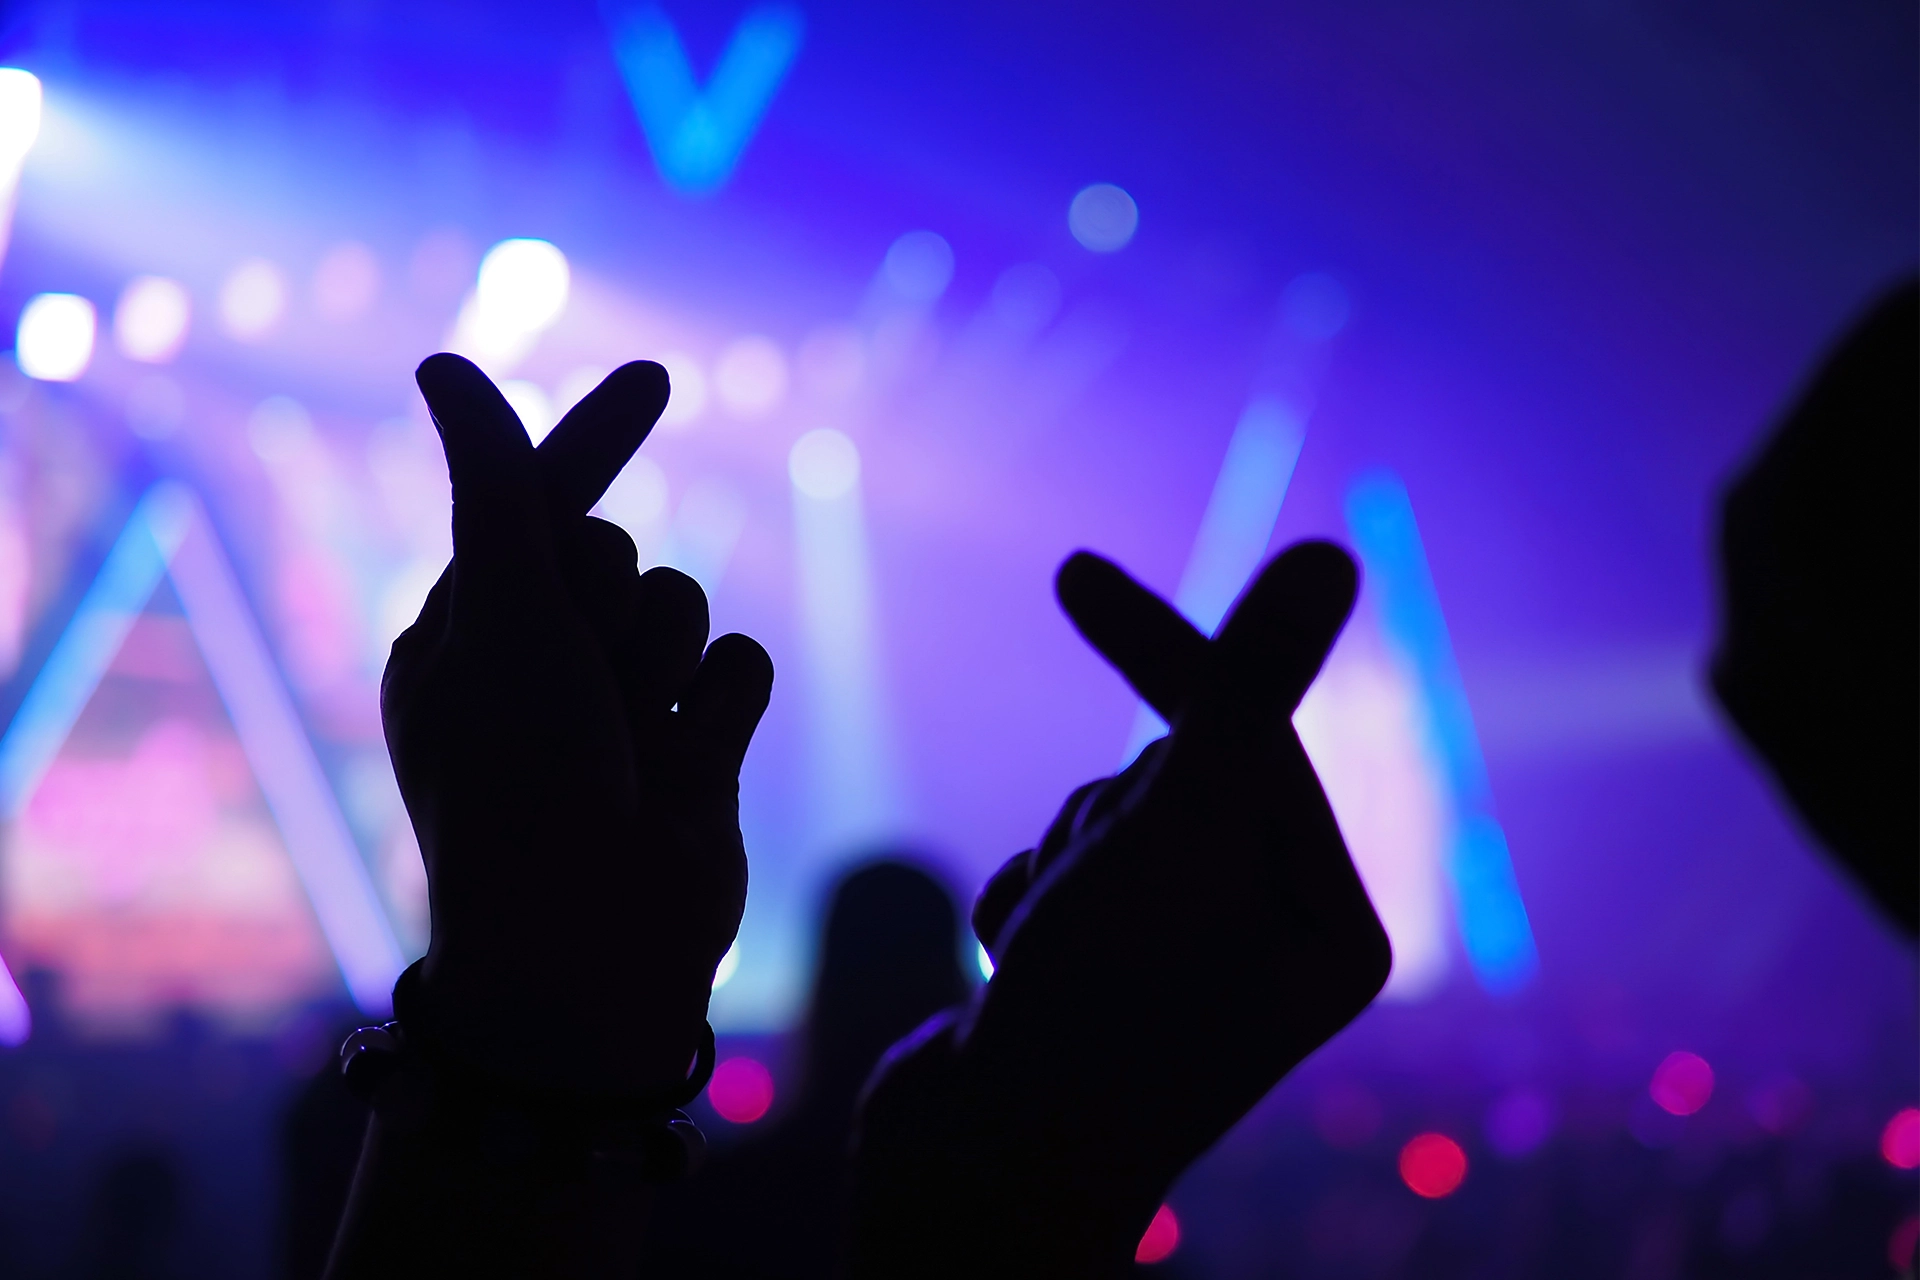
(1496, 295)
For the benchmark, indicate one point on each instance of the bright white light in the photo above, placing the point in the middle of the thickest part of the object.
(688, 399)
(523, 285)
(919, 266)
(728, 966)
(150, 320)
(54, 342)
(1103, 217)
(824, 464)
(984, 960)
(531, 403)
(253, 299)
(20, 99)
(751, 376)
(346, 281)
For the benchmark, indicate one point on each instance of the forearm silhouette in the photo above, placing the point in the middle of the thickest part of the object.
(568, 745)
(1183, 936)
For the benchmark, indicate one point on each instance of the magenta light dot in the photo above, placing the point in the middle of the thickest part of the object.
(1161, 1239)
(741, 1090)
(1682, 1083)
(1900, 1140)
(1433, 1165)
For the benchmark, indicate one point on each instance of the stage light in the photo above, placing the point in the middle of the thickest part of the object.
(1682, 1083)
(531, 405)
(54, 341)
(728, 966)
(523, 285)
(824, 464)
(687, 394)
(1236, 528)
(855, 788)
(252, 300)
(1433, 1166)
(982, 961)
(150, 320)
(170, 536)
(1493, 920)
(1900, 1140)
(1025, 297)
(20, 110)
(346, 281)
(1103, 218)
(697, 136)
(751, 376)
(1160, 1239)
(741, 1090)
(919, 266)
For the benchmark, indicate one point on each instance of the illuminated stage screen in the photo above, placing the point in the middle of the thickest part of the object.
(1495, 297)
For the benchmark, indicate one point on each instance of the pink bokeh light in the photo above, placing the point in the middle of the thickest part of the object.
(1682, 1083)
(1900, 1140)
(1161, 1237)
(741, 1090)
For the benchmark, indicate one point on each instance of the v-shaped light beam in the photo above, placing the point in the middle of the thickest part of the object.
(169, 535)
(697, 134)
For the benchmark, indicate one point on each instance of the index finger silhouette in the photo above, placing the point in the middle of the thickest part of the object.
(581, 456)
(502, 539)
(1146, 639)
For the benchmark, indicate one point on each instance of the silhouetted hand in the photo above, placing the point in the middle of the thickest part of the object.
(1820, 611)
(1182, 937)
(581, 835)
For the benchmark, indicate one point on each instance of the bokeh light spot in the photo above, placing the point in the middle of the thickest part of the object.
(919, 266)
(1682, 1083)
(20, 107)
(346, 281)
(1433, 1165)
(741, 1090)
(523, 284)
(728, 966)
(1025, 297)
(1900, 1140)
(983, 961)
(824, 464)
(252, 300)
(54, 342)
(1103, 218)
(1161, 1238)
(150, 320)
(532, 405)
(687, 390)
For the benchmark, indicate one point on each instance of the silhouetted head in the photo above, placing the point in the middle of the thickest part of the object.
(889, 960)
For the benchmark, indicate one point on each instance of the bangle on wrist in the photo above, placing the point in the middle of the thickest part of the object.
(645, 1132)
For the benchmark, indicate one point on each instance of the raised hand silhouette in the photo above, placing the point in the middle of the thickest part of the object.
(1184, 935)
(581, 834)
(1820, 611)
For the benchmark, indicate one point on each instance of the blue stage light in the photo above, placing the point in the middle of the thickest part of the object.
(168, 535)
(1493, 920)
(697, 135)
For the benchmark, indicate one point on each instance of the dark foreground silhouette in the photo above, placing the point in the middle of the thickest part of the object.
(774, 1205)
(568, 746)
